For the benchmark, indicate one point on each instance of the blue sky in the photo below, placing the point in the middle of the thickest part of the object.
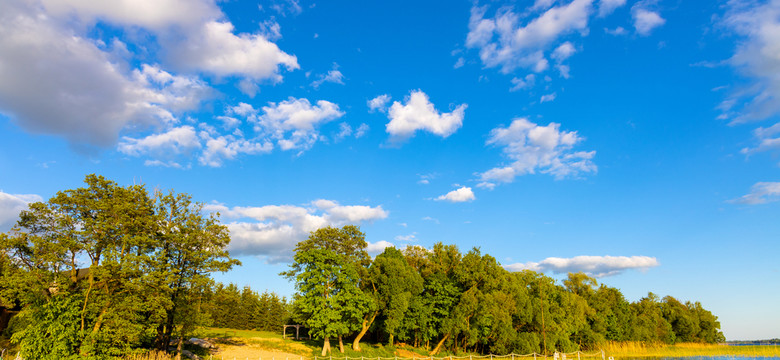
(634, 140)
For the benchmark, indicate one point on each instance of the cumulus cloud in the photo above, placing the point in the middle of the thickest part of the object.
(461, 194)
(378, 247)
(170, 144)
(215, 49)
(409, 237)
(228, 147)
(606, 7)
(755, 57)
(272, 231)
(55, 82)
(616, 31)
(547, 98)
(645, 20)
(92, 87)
(10, 207)
(419, 114)
(506, 41)
(760, 193)
(333, 76)
(294, 123)
(378, 103)
(524, 83)
(194, 33)
(597, 266)
(532, 148)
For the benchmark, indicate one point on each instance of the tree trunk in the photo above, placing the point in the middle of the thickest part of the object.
(366, 324)
(341, 345)
(178, 346)
(326, 346)
(390, 343)
(440, 344)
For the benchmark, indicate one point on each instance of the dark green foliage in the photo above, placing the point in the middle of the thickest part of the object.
(227, 307)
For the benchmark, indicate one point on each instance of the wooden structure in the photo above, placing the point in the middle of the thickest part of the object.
(297, 331)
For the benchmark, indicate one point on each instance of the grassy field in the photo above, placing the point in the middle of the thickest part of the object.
(638, 349)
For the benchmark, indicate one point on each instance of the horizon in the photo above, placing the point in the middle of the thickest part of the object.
(635, 141)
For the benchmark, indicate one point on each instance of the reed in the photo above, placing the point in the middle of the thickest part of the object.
(642, 349)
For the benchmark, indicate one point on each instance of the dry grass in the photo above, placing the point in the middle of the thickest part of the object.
(151, 355)
(641, 349)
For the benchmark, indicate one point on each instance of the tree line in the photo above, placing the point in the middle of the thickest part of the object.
(440, 299)
(105, 270)
(227, 306)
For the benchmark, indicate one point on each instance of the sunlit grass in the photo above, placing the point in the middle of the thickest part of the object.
(641, 349)
(151, 355)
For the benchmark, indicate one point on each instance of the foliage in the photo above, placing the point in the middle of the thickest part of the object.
(104, 269)
(328, 268)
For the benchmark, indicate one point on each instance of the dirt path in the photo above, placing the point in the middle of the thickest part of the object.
(252, 348)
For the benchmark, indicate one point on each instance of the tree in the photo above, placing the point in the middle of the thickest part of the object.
(189, 247)
(99, 268)
(328, 268)
(396, 283)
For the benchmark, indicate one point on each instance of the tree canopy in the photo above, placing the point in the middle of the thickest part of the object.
(103, 269)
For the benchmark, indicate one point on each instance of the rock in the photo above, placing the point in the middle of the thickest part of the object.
(202, 343)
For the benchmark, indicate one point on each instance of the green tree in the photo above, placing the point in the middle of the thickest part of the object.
(99, 268)
(328, 268)
(396, 283)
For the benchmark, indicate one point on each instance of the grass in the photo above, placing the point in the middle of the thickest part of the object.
(640, 349)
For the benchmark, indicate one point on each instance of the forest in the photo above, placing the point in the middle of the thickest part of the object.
(440, 298)
(106, 270)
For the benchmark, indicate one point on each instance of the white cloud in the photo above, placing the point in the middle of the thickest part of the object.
(361, 130)
(563, 52)
(755, 57)
(761, 193)
(228, 147)
(461, 194)
(152, 14)
(93, 90)
(409, 237)
(507, 42)
(547, 98)
(598, 266)
(177, 141)
(419, 114)
(428, 218)
(294, 123)
(536, 148)
(524, 83)
(334, 76)
(215, 49)
(89, 98)
(646, 20)
(10, 207)
(378, 247)
(768, 139)
(272, 231)
(425, 179)
(344, 131)
(193, 33)
(378, 103)
(606, 7)
(616, 31)
(285, 7)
